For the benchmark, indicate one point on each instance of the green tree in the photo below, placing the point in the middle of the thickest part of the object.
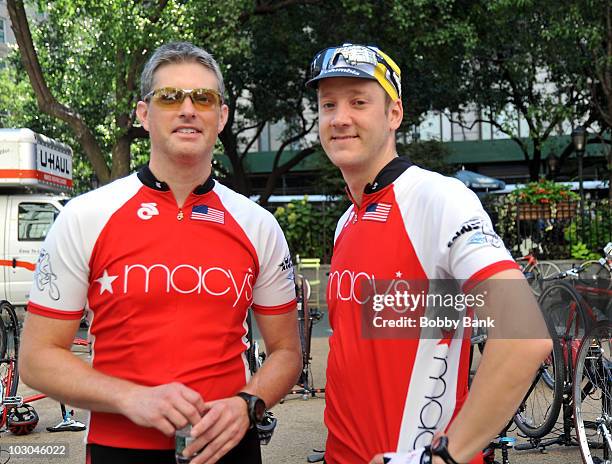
(84, 60)
(507, 75)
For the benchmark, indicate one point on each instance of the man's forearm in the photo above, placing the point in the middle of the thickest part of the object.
(277, 375)
(504, 375)
(80, 385)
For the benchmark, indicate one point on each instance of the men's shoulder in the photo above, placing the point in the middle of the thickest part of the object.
(430, 182)
(107, 197)
(238, 203)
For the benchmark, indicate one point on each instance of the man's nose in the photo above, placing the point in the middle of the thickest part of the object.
(341, 116)
(187, 109)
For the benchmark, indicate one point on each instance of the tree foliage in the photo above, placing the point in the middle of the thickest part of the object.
(85, 58)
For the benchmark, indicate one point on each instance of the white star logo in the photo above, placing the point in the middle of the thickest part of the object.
(106, 282)
(398, 274)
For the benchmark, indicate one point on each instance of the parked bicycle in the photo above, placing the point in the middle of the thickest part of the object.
(307, 317)
(571, 308)
(599, 270)
(537, 271)
(16, 412)
(592, 395)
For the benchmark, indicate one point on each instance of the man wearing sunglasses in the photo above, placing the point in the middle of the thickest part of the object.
(167, 261)
(398, 389)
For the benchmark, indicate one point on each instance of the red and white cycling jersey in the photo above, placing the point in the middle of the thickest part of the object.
(168, 287)
(393, 394)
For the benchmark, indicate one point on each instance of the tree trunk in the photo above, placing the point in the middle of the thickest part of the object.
(239, 179)
(609, 149)
(278, 171)
(121, 157)
(535, 161)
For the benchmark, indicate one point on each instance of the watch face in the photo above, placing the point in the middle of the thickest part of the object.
(259, 410)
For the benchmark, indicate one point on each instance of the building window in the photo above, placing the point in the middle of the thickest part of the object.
(466, 126)
(2, 30)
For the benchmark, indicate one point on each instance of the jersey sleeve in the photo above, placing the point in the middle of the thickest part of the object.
(61, 277)
(274, 290)
(474, 250)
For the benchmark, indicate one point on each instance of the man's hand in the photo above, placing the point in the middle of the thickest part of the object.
(166, 407)
(224, 424)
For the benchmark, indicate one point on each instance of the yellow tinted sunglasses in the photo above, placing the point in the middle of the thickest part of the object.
(172, 98)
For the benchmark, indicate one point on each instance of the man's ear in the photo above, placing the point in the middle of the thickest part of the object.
(142, 113)
(396, 114)
(224, 112)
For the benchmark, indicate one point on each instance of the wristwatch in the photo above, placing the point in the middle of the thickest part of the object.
(255, 406)
(440, 449)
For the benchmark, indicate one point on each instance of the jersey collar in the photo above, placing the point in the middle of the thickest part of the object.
(148, 178)
(388, 174)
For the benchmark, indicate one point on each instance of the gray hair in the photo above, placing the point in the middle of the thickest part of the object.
(178, 52)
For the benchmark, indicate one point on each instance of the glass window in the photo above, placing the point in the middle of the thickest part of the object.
(2, 30)
(467, 126)
(35, 219)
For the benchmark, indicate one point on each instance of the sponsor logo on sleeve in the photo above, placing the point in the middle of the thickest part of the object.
(480, 232)
(287, 265)
(44, 276)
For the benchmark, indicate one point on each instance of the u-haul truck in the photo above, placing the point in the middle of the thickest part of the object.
(35, 180)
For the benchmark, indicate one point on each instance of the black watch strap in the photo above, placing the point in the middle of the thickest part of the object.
(256, 407)
(440, 449)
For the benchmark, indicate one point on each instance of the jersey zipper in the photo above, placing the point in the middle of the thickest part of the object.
(180, 214)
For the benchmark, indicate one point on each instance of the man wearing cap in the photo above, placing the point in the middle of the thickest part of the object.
(395, 391)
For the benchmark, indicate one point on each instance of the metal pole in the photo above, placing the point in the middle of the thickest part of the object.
(580, 156)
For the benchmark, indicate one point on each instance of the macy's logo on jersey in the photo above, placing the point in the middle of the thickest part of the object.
(184, 279)
(359, 287)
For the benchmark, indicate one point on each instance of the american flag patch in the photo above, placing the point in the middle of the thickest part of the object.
(206, 213)
(378, 212)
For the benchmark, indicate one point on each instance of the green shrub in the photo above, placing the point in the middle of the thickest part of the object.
(310, 228)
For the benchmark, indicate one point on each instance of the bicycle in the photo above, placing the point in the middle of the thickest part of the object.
(9, 373)
(592, 395)
(9, 351)
(537, 271)
(307, 317)
(598, 269)
(538, 412)
(570, 313)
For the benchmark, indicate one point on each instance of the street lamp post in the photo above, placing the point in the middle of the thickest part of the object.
(579, 137)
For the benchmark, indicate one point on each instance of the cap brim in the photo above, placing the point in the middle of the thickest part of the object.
(339, 72)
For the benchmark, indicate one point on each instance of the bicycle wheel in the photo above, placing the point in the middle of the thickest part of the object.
(592, 395)
(542, 270)
(595, 274)
(539, 410)
(564, 310)
(3, 339)
(9, 373)
(304, 320)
